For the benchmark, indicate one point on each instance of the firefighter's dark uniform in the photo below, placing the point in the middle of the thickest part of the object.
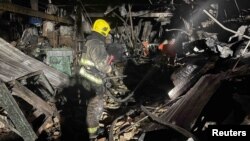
(94, 67)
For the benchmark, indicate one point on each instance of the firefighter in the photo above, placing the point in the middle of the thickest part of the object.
(95, 66)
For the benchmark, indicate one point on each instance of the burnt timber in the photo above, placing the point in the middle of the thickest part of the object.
(15, 64)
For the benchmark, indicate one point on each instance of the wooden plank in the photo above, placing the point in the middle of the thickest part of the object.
(27, 11)
(15, 114)
(38, 104)
(238, 72)
(41, 79)
(182, 87)
(32, 99)
(186, 111)
(10, 70)
(17, 64)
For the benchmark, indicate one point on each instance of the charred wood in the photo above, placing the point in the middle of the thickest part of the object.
(15, 114)
(186, 111)
(27, 11)
(185, 84)
(39, 81)
(14, 64)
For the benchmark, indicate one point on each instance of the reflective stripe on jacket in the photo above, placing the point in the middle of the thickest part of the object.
(85, 71)
(86, 62)
(90, 76)
(95, 60)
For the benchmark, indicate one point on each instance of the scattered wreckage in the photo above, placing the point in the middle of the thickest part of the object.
(27, 95)
(174, 83)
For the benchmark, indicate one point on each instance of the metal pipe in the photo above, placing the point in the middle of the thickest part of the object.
(222, 26)
(145, 78)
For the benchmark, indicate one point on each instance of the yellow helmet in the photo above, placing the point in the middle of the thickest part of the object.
(102, 27)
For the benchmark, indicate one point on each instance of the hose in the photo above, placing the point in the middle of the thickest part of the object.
(149, 73)
(121, 100)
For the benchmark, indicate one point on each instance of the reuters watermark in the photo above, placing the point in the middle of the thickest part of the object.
(241, 132)
(231, 133)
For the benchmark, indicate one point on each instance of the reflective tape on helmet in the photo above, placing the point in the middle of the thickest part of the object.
(90, 77)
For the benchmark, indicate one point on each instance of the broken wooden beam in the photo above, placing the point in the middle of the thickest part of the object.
(27, 11)
(185, 84)
(15, 114)
(38, 79)
(39, 106)
(15, 64)
(188, 108)
(238, 72)
(31, 98)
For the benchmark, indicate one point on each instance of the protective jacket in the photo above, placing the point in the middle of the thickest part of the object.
(95, 60)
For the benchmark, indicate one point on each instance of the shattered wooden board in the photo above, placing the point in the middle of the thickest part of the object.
(15, 114)
(185, 111)
(14, 64)
(188, 110)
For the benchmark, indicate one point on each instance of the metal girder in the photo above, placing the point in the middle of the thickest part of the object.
(27, 11)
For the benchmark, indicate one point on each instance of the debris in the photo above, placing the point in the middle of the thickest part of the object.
(16, 115)
(172, 62)
(225, 51)
(15, 64)
(190, 80)
(240, 32)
